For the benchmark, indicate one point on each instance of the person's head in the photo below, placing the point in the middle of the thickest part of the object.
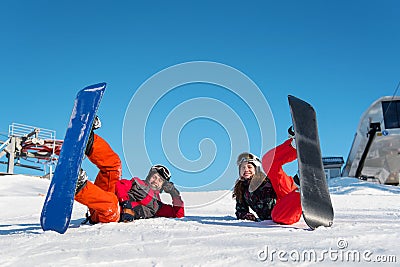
(248, 165)
(157, 176)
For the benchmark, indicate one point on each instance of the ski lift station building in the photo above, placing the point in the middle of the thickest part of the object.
(332, 166)
(375, 152)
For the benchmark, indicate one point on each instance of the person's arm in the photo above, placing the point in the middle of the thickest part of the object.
(176, 210)
(121, 189)
(243, 213)
(131, 209)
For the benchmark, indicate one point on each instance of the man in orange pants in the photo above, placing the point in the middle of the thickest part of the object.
(99, 196)
(112, 199)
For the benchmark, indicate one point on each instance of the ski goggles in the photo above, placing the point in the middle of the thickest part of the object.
(163, 171)
(250, 158)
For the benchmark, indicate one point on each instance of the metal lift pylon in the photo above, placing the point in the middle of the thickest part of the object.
(37, 146)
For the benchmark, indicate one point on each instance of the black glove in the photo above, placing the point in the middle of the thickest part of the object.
(127, 214)
(126, 204)
(169, 188)
(249, 216)
(140, 213)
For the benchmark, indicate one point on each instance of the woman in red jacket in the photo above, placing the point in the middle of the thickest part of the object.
(111, 199)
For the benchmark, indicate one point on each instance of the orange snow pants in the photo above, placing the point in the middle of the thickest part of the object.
(288, 206)
(99, 196)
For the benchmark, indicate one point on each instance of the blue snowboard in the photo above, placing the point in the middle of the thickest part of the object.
(57, 208)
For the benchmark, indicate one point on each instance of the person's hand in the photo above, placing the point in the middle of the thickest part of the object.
(127, 214)
(170, 188)
(126, 204)
(250, 216)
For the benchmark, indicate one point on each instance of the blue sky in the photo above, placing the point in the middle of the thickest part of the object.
(338, 55)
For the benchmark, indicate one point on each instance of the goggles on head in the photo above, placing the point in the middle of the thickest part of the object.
(163, 171)
(250, 158)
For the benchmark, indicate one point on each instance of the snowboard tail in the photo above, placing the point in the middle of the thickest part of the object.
(315, 199)
(57, 208)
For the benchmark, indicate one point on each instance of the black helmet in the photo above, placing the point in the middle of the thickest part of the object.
(161, 170)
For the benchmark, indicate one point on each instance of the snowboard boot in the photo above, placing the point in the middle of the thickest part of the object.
(96, 125)
(291, 135)
(291, 132)
(296, 180)
(82, 180)
(88, 219)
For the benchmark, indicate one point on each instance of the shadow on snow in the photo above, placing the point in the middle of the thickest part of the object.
(28, 228)
(232, 221)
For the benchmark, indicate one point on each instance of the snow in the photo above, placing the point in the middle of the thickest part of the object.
(367, 221)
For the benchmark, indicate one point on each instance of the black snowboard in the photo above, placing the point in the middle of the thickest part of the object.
(315, 198)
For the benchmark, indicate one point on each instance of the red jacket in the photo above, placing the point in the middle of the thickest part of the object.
(139, 192)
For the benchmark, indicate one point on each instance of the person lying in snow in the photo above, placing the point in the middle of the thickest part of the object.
(273, 196)
(112, 199)
(141, 199)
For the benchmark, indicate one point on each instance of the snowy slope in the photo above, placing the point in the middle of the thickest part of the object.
(367, 221)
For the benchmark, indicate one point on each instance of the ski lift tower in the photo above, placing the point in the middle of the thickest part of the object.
(37, 147)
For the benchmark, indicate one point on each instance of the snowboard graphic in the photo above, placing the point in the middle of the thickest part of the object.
(57, 208)
(315, 198)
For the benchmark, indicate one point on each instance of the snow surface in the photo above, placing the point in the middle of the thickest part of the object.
(367, 221)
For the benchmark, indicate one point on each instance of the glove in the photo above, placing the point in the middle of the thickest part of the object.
(249, 216)
(140, 213)
(126, 205)
(127, 214)
(169, 188)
